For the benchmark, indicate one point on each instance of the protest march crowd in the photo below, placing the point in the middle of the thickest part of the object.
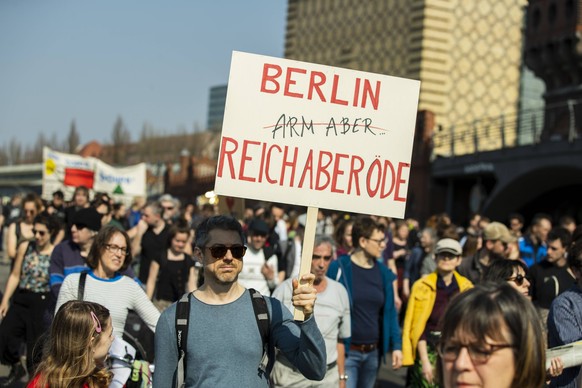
(470, 305)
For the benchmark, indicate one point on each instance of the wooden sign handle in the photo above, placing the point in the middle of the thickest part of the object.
(307, 252)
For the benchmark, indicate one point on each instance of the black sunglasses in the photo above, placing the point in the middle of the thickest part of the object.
(219, 251)
(518, 279)
(40, 232)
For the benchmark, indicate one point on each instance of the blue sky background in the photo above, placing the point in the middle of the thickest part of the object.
(148, 61)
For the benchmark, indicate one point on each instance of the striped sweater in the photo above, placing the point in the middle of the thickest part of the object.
(118, 294)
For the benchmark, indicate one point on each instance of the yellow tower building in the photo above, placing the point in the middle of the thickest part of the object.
(466, 53)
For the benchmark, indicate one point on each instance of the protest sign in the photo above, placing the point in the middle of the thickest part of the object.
(317, 136)
(66, 172)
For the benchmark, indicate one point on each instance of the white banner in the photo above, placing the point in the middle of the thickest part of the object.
(66, 172)
(315, 135)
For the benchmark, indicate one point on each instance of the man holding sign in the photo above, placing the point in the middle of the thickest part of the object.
(223, 346)
(326, 137)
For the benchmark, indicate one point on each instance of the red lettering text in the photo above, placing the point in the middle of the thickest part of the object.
(289, 82)
(271, 78)
(399, 180)
(243, 159)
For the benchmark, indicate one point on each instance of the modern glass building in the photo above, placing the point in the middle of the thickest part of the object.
(216, 102)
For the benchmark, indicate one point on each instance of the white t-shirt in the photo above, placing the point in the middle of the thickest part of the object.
(281, 230)
(251, 276)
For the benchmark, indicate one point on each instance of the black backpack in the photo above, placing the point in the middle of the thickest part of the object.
(183, 313)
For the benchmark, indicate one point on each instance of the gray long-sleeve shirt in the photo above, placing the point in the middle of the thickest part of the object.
(225, 348)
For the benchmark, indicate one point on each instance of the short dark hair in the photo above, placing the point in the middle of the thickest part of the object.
(566, 220)
(561, 234)
(516, 216)
(179, 227)
(575, 255)
(82, 189)
(35, 199)
(217, 222)
(59, 194)
(101, 240)
(49, 221)
(364, 227)
(501, 269)
(340, 230)
(482, 312)
(99, 201)
(277, 205)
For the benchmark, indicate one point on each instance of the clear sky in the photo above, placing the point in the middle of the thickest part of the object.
(148, 61)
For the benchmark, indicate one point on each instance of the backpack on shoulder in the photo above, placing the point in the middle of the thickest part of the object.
(183, 313)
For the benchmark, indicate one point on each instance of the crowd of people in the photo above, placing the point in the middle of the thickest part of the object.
(456, 305)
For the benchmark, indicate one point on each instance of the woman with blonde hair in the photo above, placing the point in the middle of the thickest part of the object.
(75, 352)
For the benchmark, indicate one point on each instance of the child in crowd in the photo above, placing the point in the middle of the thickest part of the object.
(75, 352)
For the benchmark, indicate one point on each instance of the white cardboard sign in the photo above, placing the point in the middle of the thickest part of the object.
(315, 135)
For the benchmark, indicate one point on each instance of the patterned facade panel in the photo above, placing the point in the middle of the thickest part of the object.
(369, 36)
(467, 53)
(484, 73)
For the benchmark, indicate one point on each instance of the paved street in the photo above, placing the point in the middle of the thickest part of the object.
(386, 378)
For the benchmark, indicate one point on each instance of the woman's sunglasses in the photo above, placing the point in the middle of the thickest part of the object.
(518, 279)
(219, 251)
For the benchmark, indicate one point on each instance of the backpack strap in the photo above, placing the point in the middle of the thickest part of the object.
(182, 315)
(81, 288)
(263, 323)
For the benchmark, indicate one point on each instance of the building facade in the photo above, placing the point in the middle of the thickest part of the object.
(216, 104)
(553, 52)
(467, 54)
